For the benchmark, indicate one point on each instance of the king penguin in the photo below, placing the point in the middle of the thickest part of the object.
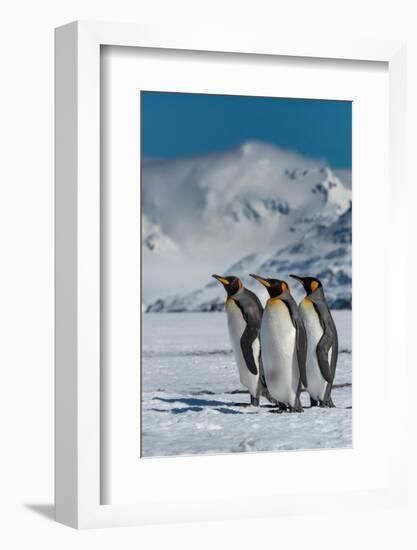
(244, 314)
(284, 344)
(322, 342)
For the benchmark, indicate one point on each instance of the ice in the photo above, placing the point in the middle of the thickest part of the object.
(193, 403)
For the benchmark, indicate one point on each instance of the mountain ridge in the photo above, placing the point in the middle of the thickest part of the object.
(254, 208)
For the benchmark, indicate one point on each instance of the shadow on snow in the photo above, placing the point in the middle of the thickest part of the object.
(197, 405)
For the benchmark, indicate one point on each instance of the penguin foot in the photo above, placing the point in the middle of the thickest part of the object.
(282, 406)
(328, 403)
(296, 409)
(254, 401)
(313, 402)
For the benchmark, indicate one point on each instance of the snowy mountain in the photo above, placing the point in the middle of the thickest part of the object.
(256, 208)
(326, 253)
(154, 240)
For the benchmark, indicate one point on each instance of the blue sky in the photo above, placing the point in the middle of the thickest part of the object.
(175, 124)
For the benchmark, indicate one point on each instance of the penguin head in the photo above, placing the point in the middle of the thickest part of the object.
(275, 287)
(231, 284)
(310, 284)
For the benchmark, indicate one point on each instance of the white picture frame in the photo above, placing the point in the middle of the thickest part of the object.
(78, 321)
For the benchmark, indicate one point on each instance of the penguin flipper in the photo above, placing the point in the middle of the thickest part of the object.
(248, 337)
(327, 342)
(301, 343)
(262, 374)
(300, 338)
(323, 347)
(335, 351)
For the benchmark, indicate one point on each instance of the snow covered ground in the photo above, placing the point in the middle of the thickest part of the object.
(192, 401)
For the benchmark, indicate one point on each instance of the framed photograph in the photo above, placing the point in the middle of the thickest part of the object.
(228, 213)
(244, 185)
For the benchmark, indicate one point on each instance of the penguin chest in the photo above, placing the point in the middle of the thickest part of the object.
(237, 325)
(316, 383)
(279, 354)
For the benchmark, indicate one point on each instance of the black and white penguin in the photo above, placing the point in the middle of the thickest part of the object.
(244, 314)
(322, 342)
(284, 344)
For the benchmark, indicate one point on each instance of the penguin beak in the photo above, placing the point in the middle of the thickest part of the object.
(260, 280)
(221, 279)
(298, 278)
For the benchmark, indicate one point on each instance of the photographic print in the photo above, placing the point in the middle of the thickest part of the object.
(246, 274)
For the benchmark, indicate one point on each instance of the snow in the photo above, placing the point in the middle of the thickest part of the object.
(192, 401)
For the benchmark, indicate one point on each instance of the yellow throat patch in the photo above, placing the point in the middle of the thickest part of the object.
(307, 302)
(276, 301)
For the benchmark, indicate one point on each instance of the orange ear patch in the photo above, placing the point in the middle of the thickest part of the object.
(314, 286)
(284, 287)
(240, 284)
